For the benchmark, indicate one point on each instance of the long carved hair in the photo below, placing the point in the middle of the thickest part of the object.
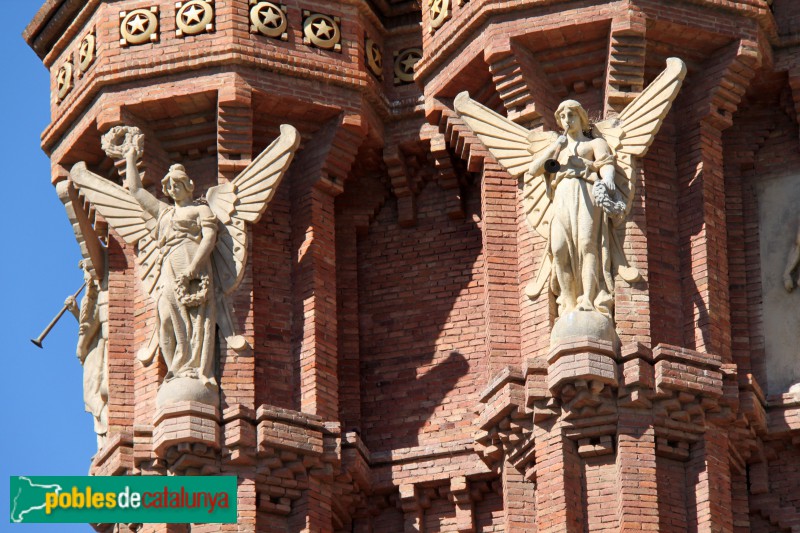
(576, 106)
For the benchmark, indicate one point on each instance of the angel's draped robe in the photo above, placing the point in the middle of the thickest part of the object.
(186, 334)
(92, 352)
(579, 233)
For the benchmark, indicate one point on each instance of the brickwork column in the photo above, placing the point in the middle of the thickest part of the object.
(701, 206)
(234, 154)
(315, 182)
(558, 481)
(636, 471)
(519, 501)
(499, 229)
(348, 324)
(709, 469)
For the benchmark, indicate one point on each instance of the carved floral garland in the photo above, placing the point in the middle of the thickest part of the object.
(183, 290)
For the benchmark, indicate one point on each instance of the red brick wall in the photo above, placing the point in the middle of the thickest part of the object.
(420, 291)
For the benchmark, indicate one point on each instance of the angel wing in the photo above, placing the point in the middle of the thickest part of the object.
(136, 227)
(631, 133)
(244, 200)
(515, 148)
(125, 215)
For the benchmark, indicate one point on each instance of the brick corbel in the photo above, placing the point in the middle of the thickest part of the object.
(457, 134)
(411, 506)
(328, 157)
(404, 184)
(462, 499)
(234, 127)
(116, 456)
(447, 175)
(625, 68)
(521, 83)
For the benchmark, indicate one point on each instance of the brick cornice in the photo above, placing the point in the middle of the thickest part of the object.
(480, 15)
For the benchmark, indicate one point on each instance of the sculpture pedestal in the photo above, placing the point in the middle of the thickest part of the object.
(584, 324)
(581, 359)
(187, 390)
(185, 423)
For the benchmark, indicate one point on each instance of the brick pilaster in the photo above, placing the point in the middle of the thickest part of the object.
(498, 206)
(316, 181)
(708, 473)
(702, 201)
(636, 471)
(519, 499)
(558, 481)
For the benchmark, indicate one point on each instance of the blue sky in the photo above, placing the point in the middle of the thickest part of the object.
(45, 430)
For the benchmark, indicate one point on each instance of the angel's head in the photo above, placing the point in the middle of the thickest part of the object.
(571, 114)
(176, 184)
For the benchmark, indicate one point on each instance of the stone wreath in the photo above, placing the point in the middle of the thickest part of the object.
(191, 292)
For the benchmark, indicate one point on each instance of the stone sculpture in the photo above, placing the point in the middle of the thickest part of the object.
(578, 188)
(92, 348)
(191, 254)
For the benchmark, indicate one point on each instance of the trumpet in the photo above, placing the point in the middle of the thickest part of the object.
(38, 340)
(551, 166)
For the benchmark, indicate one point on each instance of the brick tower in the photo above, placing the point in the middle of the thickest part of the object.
(397, 375)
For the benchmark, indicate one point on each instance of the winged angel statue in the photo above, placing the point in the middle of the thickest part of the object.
(191, 254)
(578, 187)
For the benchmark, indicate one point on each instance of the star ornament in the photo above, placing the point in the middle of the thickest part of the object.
(405, 62)
(137, 24)
(269, 16)
(194, 17)
(84, 51)
(194, 14)
(61, 79)
(268, 19)
(323, 30)
(377, 58)
(64, 81)
(439, 12)
(409, 62)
